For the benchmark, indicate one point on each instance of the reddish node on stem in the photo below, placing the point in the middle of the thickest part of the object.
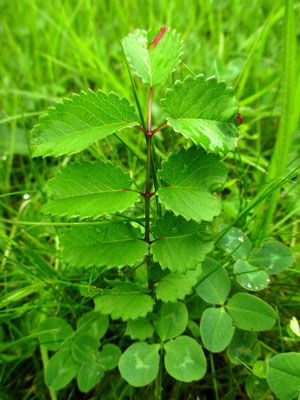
(158, 37)
(239, 119)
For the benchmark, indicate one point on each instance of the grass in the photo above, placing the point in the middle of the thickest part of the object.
(51, 49)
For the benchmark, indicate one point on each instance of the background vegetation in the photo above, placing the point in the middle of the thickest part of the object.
(51, 49)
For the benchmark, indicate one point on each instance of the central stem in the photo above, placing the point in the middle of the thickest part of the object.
(148, 171)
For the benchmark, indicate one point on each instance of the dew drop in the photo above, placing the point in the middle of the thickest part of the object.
(4, 158)
(26, 196)
(268, 279)
(249, 285)
(271, 266)
(241, 239)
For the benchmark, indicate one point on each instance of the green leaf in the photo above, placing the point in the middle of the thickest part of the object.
(74, 124)
(93, 324)
(171, 321)
(139, 364)
(54, 340)
(260, 369)
(251, 313)
(179, 245)
(243, 348)
(184, 359)
(235, 240)
(256, 388)
(215, 283)
(84, 348)
(140, 329)
(191, 176)
(111, 244)
(90, 373)
(61, 369)
(153, 64)
(283, 375)
(127, 301)
(250, 277)
(273, 256)
(203, 110)
(175, 286)
(216, 329)
(89, 190)
(109, 356)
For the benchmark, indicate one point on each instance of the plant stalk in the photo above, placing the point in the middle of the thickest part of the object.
(148, 171)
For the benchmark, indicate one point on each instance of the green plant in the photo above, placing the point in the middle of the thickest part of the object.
(151, 258)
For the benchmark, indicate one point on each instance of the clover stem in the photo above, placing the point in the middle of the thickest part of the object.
(148, 171)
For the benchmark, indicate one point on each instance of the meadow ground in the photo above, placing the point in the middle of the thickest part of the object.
(49, 50)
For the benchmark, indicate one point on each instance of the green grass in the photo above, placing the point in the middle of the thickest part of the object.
(51, 49)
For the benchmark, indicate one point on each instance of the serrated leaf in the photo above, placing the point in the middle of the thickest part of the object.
(171, 320)
(90, 373)
(61, 369)
(111, 244)
(109, 356)
(94, 324)
(184, 359)
(140, 329)
(243, 348)
(273, 256)
(54, 340)
(191, 176)
(89, 190)
(214, 285)
(203, 110)
(153, 64)
(235, 241)
(127, 301)
(251, 313)
(175, 286)
(216, 329)
(180, 245)
(139, 364)
(283, 375)
(250, 277)
(84, 348)
(76, 123)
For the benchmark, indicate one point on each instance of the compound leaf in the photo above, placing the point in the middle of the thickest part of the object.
(153, 64)
(184, 359)
(140, 329)
(191, 176)
(90, 373)
(109, 356)
(110, 244)
(283, 375)
(273, 256)
(175, 286)
(172, 320)
(214, 285)
(139, 364)
(61, 369)
(126, 300)
(89, 190)
(250, 277)
(203, 110)
(54, 340)
(251, 313)
(94, 324)
(216, 329)
(235, 241)
(180, 245)
(76, 123)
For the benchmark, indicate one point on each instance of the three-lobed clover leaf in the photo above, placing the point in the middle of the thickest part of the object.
(110, 244)
(191, 175)
(153, 63)
(89, 190)
(74, 124)
(203, 110)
